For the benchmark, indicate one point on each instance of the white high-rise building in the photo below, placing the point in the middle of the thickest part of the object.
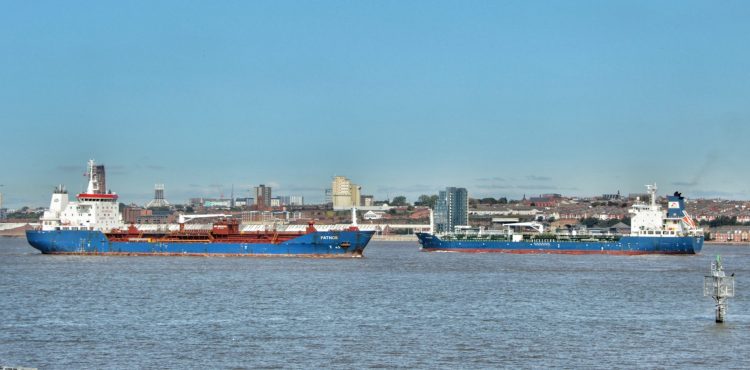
(291, 200)
(452, 209)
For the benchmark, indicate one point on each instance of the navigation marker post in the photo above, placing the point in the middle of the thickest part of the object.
(720, 287)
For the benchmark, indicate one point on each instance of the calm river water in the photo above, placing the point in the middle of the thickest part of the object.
(397, 307)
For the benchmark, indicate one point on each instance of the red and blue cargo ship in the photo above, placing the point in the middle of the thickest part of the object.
(224, 239)
(92, 225)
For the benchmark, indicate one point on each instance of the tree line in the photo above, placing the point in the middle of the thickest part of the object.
(426, 200)
(723, 221)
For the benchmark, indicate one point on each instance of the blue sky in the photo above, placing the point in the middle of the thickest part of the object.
(504, 98)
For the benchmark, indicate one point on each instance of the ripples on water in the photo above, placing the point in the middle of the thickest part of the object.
(395, 308)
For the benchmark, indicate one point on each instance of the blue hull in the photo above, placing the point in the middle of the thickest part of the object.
(625, 245)
(317, 244)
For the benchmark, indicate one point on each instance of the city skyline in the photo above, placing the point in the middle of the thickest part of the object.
(503, 99)
(219, 191)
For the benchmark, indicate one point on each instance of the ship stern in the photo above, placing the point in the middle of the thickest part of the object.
(697, 244)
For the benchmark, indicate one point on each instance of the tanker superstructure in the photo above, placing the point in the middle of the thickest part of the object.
(93, 225)
(94, 210)
(652, 232)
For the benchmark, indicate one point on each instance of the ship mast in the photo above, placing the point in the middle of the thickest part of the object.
(93, 187)
(652, 194)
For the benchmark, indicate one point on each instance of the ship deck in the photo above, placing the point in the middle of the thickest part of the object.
(205, 237)
(531, 238)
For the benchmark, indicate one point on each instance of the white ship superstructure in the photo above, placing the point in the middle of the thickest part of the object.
(649, 220)
(93, 210)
